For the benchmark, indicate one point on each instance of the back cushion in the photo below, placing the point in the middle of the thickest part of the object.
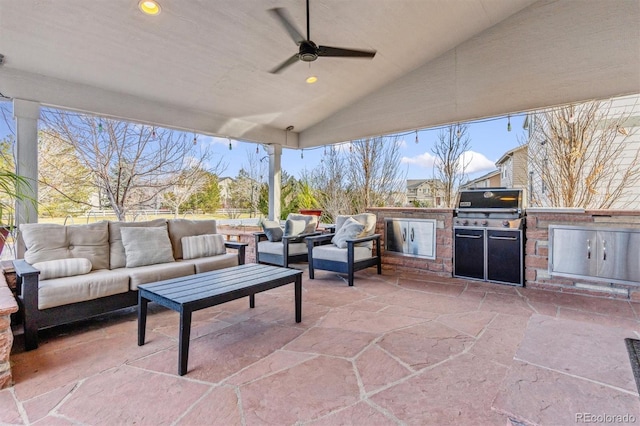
(48, 241)
(118, 256)
(179, 228)
(311, 221)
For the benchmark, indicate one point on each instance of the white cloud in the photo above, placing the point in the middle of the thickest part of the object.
(475, 161)
(214, 140)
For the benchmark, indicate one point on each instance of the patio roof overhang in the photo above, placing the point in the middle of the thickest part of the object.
(203, 66)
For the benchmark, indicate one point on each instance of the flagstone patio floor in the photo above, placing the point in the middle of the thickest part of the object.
(393, 349)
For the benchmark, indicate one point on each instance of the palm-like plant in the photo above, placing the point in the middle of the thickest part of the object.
(12, 188)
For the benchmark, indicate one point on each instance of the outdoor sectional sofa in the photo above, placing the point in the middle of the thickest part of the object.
(75, 272)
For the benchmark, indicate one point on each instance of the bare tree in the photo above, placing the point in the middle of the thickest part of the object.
(375, 175)
(329, 181)
(583, 155)
(189, 182)
(450, 165)
(130, 164)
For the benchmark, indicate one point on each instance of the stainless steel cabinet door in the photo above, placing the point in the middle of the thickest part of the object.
(421, 237)
(574, 251)
(619, 255)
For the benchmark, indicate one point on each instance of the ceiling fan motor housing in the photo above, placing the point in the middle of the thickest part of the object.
(308, 51)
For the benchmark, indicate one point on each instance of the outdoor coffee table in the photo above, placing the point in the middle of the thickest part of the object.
(195, 292)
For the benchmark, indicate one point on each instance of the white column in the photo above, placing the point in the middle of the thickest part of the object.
(26, 115)
(275, 181)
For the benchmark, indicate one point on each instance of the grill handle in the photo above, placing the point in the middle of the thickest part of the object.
(503, 238)
(475, 237)
(486, 210)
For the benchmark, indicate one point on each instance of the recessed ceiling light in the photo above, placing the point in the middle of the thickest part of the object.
(312, 79)
(150, 7)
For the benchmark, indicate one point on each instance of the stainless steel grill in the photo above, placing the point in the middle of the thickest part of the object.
(488, 235)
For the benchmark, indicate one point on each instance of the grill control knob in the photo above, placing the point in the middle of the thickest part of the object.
(505, 223)
(485, 222)
(465, 222)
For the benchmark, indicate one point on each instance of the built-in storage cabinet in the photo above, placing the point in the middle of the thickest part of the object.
(606, 254)
(411, 237)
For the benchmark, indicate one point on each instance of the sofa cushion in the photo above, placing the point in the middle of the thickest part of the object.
(63, 268)
(208, 264)
(146, 246)
(272, 230)
(117, 255)
(331, 252)
(159, 272)
(49, 241)
(79, 288)
(349, 230)
(202, 246)
(278, 248)
(179, 228)
(310, 220)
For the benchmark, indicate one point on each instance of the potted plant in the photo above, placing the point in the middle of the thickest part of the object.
(12, 188)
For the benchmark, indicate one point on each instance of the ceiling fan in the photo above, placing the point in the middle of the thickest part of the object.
(309, 51)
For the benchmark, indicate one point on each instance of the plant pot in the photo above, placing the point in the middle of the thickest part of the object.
(4, 233)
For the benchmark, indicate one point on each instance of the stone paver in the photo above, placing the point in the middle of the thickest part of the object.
(391, 350)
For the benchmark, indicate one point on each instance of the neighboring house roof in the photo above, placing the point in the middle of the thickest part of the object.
(481, 178)
(417, 183)
(510, 153)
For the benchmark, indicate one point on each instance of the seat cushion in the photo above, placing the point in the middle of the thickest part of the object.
(278, 248)
(159, 272)
(79, 288)
(331, 252)
(208, 264)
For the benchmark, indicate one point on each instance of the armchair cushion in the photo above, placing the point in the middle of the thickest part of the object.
(277, 248)
(349, 230)
(311, 221)
(331, 252)
(203, 246)
(272, 230)
(293, 227)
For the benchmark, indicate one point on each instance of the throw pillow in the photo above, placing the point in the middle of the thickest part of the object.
(63, 268)
(146, 246)
(272, 229)
(294, 227)
(349, 230)
(202, 246)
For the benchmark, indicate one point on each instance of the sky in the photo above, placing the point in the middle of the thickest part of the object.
(489, 140)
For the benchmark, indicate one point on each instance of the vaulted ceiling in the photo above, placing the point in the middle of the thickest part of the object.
(203, 65)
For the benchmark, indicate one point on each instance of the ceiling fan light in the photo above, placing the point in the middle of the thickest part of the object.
(311, 79)
(149, 7)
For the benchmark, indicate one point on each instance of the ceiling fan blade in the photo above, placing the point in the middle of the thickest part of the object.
(285, 64)
(285, 20)
(351, 53)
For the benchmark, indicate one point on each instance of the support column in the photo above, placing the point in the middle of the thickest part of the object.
(26, 115)
(275, 180)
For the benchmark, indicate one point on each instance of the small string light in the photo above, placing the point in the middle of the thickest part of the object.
(459, 131)
(325, 150)
(508, 123)
(153, 132)
(417, 141)
(257, 151)
(195, 139)
(100, 127)
(302, 154)
(230, 147)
